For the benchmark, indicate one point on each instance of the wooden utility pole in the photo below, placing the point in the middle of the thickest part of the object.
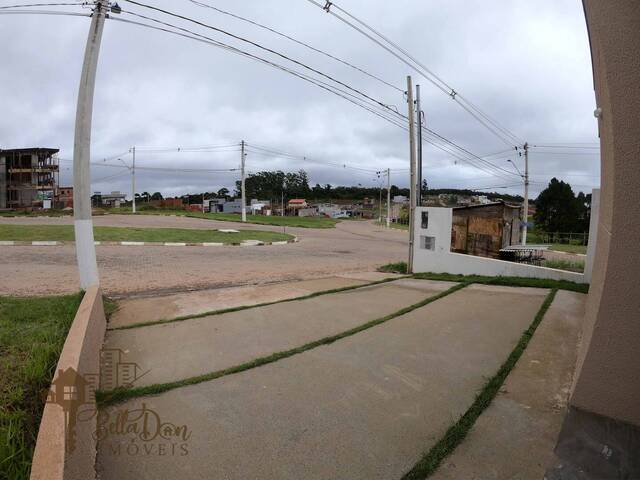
(82, 222)
(243, 194)
(412, 180)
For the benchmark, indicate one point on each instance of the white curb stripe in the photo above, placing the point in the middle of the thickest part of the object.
(7, 242)
(96, 243)
(175, 244)
(284, 242)
(251, 243)
(132, 243)
(44, 244)
(212, 244)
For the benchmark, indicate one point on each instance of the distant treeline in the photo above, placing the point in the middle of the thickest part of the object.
(273, 185)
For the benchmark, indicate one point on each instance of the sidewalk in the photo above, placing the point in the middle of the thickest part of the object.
(514, 438)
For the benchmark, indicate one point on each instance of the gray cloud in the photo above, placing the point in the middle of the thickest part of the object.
(525, 63)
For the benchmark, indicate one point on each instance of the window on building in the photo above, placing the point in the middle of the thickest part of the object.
(428, 243)
(70, 392)
(425, 220)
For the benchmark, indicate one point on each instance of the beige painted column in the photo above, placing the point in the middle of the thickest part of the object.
(600, 437)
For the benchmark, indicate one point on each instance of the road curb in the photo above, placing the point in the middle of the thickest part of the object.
(48, 243)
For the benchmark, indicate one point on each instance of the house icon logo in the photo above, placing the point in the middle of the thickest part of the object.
(72, 391)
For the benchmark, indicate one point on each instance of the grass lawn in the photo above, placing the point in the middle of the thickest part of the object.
(399, 267)
(304, 222)
(37, 213)
(564, 247)
(32, 333)
(120, 234)
(565, 265)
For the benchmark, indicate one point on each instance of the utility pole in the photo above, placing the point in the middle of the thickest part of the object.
(525, 213)
(419, 174)
(133, 180)
(203, 203)
(82, 222)
(243, 194)
(412, 181)
(380, 203)
(388, 197)
(282, 203)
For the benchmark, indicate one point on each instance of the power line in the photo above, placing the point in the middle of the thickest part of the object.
(272, 152)
(475, 157)
(108, 177)
(386, 116)
(44, 12)
(208, 40)
(257, 45)
(501, 132)
(566, 146)
(299, 42)
(76, 4)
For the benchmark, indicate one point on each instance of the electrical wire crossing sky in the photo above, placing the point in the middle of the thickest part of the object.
(308, 87)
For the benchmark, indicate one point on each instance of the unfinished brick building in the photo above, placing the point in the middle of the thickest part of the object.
(28, 177)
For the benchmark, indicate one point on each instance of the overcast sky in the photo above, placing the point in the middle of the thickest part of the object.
(525, 63)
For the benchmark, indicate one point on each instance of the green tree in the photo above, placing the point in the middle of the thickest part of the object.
(156, 196)
(222, 193)
(557, 209)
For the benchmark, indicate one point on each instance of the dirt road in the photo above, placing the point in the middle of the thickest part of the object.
(131, 270)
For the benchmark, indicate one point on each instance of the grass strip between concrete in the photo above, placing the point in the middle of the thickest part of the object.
(121, 394)
(459, 430)
(247, 307)
(401, 267)
(508, 281)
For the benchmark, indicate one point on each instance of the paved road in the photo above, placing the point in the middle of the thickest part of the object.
(352, 246)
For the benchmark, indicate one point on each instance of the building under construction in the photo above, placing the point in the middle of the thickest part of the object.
(28, 177)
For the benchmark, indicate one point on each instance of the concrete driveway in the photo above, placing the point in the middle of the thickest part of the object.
(353, 246)
(366, 406)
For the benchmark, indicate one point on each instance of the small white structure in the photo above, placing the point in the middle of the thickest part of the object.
(432, 252)
(481, 199)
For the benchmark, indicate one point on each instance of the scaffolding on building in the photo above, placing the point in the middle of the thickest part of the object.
(28, 178)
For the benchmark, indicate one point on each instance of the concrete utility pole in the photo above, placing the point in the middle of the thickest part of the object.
(133, 180)
(243, 194)
(419, 174)
(82, 222)
(282, 203)
(412, 181)
(380, 204)
(525, 213)
(388, 197)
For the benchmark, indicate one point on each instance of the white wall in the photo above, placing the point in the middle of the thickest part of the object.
(442, 260)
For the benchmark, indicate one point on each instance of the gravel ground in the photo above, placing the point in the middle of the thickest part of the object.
(352, 246)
